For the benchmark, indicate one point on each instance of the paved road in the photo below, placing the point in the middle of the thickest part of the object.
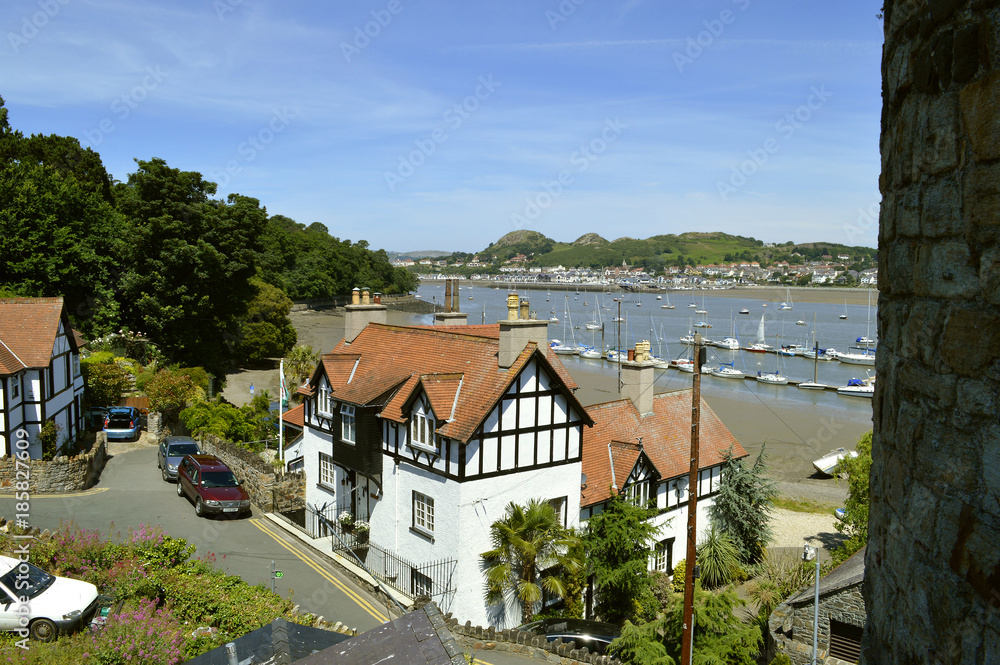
(131, 492)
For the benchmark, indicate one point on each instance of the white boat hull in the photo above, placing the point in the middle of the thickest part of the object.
(775, 379)
(810, 385)
(828, 465)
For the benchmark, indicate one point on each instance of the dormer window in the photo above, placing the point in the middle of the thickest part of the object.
(422, 432)
(638, 493)
(348, 431)
(323, 405)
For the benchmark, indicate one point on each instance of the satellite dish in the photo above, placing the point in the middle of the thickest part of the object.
(583, 480)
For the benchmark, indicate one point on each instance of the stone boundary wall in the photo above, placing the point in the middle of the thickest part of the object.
(272, 490)
(62, 474)
(477, 639)
(791, 626)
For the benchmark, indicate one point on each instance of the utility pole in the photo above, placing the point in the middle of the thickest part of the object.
(687, 637)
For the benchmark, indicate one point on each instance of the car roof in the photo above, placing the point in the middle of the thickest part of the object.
(178, 439)
(575, 626)
(209, 462)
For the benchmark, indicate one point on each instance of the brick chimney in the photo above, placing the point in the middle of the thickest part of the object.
(517, 332)
(361, 312)
(637, 378)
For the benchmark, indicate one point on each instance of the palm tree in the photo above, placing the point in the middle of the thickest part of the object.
(530, 550)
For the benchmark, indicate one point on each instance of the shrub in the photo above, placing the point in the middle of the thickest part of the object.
(139, 634)
(142, 379)
(105, 383)
(718, 559)
(680, 569)
(170, 391)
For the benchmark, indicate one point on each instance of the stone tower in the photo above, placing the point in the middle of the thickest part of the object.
(932, 587)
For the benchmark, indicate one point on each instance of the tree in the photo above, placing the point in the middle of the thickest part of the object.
(530, 549)
(742, 508)
(265, 329)
(105, 383)
(169, 391)
(619, 544)
(718, 558)
(719, 636)
(855, 522)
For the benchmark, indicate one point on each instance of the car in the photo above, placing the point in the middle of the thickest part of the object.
(594, 635)
(40, 605)
(122, 423)
(214, 488)
(172, 450)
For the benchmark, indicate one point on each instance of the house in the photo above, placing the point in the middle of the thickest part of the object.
(841, 618)
(640, 446)
(40, 377)
(426, 434)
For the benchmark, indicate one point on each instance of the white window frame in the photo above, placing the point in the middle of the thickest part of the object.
(327, 472)
(323, 400)
(423, 425)
(423, 513)
(662, 557)
(76, 366)
(348, 423)
(15, 386)
(638, 493)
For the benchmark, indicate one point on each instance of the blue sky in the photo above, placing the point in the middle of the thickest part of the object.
(420, 124)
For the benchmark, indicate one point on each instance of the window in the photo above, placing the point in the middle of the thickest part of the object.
(420, 584)
(423, 513)
(559, 505)
(76, 366)
(709, 481)
(326, 474)
(638, 493)
(347, 426)
(663, 556)
(324, 400)
(422, 432)
(15, 386)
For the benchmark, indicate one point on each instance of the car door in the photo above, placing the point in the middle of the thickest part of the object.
(9, 616)
(161, 455)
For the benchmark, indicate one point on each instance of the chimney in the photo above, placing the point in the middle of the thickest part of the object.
(360, 313)
(525, 309)
(451, 318)
(447, 295)
(516, 333)
(637, 378)
(454, 296)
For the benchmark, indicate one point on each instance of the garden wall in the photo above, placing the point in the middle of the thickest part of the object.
(269, 489)
(62, 474)
(477, 639)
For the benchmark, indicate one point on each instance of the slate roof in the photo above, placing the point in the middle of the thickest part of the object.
(279, 641)
(666, 441)
(849, 573)
(28, 328)
(420, 637)
(456, 366)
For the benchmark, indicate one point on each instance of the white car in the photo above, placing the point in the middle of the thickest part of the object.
(41, 605)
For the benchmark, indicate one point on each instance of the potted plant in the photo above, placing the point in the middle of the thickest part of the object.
(346, 520)
(361, 529)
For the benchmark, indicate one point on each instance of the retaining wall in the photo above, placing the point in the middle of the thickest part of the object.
(269, 489)
(62, 474)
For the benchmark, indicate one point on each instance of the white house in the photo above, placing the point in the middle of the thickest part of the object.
(640, 447)
(40, 377)
(427, 433)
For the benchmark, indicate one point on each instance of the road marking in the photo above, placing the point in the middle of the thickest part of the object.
(364, 604)
(63, 495)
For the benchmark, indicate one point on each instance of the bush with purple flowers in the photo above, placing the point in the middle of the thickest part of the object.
(140, 633)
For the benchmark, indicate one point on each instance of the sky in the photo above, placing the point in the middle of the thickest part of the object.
(433, 125)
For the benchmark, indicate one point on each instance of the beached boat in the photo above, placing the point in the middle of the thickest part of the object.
(827, 464)
(744, 311)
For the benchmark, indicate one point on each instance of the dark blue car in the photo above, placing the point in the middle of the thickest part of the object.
(122, 423)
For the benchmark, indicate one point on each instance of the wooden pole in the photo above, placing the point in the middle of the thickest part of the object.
(687, 637)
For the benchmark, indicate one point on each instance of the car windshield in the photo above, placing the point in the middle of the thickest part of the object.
(219, 479)
(181, 449)
(25, 580)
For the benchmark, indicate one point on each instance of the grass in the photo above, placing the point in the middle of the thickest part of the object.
(803, 505)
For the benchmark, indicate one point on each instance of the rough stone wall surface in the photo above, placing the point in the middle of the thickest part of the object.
(268, 489)
(791, 626)
(932, 586)
(62, 474)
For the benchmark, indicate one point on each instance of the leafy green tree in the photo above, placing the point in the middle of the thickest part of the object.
(170, 391)
(266, 331)
(742, 509)
(251, 424)
(530, 548)
(190, 262)
(855, 522)
(104, 383)
(619, 544)
(718, 558)
(720, 637)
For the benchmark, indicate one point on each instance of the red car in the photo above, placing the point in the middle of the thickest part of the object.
(206, 480)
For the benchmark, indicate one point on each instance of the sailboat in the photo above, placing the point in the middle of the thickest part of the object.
(758, 345)
(844, 315)
(816, 354)
(702, 310)
(774, 377)
(667, 305)
(788, 300)
(565, 349)
(595, 324)
(862, 354)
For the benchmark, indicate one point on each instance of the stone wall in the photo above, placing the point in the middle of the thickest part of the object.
(791, 626)
(269, 489)
(932, 586)
(62, 474)
(476, 640)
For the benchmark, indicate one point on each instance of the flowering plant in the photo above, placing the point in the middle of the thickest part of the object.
(361, 526)
(345, 518)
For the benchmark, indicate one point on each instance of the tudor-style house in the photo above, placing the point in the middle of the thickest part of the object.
(40, 377)
(640, 446)
(427, 433)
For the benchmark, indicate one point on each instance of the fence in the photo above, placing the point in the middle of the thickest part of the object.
(431, 579)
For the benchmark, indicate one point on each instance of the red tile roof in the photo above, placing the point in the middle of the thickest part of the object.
(395, 360)
(28, 328)
(666, 440)
(295, 416)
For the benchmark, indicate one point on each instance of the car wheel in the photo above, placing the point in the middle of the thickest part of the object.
(43, 630)
(180, 490)
(163, 472)
(199, 507)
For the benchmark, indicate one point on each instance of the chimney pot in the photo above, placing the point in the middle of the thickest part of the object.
(378, 298)
(365, 297)
(525, 308)
(512, 304)
(631, 355)
(356, 296)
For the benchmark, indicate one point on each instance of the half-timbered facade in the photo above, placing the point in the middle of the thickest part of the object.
(427, 433)
(640, 447)
(40, 377)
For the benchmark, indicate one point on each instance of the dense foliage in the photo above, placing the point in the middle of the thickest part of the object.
(105, 381)
(531, 554)
(619, 543)
(855, 522)
(778, 576)
(158, 257)
(718, 558)
(742, 508)
(164, 594)
(251, 424)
